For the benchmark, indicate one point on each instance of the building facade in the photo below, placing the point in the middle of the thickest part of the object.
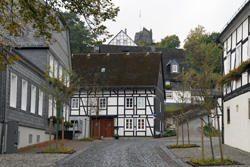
(236, 111)
(121, 94)
(22, 99)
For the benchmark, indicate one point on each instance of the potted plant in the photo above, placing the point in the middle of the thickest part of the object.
(116, 136)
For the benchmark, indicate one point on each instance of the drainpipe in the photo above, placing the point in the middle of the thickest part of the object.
(222, 102)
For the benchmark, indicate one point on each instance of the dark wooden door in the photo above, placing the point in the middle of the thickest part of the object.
(109, 128)
(96, 128)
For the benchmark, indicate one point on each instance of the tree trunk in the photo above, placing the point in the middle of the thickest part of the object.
(49, 133)
(62, 133)
(202, 139)
(177, 133)
(182, 129)
(210, 134)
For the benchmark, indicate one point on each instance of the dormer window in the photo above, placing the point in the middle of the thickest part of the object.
(174, 68)
(103, 70)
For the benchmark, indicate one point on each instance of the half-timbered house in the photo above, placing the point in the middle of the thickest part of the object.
(121, 93)
(235, 38)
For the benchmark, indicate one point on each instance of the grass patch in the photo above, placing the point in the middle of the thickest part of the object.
(183, 146)
(211, 162)
(169, 133)
(206, 131)
(53, 150)
(168, 108)
(91, 139)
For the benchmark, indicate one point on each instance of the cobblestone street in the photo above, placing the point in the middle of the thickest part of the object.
(141, 152)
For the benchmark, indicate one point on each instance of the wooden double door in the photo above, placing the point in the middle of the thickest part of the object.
(102, 127)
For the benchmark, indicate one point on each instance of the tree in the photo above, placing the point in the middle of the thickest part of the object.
(144, 43)
(205, 81)
(183, 96)
(44, 17)
(171, 41)
(80, 37)
(193, 44)
(61, 90)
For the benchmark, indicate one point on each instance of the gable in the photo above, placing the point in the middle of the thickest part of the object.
(122, 39)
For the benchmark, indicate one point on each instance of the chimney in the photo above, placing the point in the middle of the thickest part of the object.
(96, 48)
(152, 47)
(125, 30)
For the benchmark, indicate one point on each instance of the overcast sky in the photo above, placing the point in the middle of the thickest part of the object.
(168, 17)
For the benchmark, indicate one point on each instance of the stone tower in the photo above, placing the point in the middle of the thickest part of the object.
(144, 35)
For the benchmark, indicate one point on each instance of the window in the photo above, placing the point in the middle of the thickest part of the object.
(50, 106)
(228, 115)
(249, 108)
(227, 68)
(125, 42)
(75, 103)
(51, 63)
(55, 69)
(103, 70)
(40, 109)
(174, 68)
(118, 42)
(167, 83)
(129, 124)
(102, 103)
(60, 73)
(129, 102)
(141, 102)
(38, 138)
(33, 99)
(140, 124)
(30, 138)
(13, 90)
(169, 95)
(24, 95)
(238, 55)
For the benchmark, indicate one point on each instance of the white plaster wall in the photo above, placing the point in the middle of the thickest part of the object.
(112, 111)
(244, 78)
(244, 51)
(229, 43)
(239, 33)
(237, 133)
(24, 136)
(215, 122)
(112, 101)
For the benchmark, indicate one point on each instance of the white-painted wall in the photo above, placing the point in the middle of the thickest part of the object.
(214, 120)
(237, 133)
(24, 132)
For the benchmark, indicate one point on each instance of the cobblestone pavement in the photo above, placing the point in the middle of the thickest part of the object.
(124, 153)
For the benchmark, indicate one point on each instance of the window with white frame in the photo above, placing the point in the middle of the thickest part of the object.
(55, 69)
(60, 72)
(102, 103)
(227, 68)
(51, 63)
(74, 103)
(50, 106)
(141, 102)
(238, 55)
(140, 124)
(169, 95)
(167, 82)
(174, 68)
(33, 99)
(24, 95)
(13, 90)
(129, 124)
(40, 105)
(129, 102)
(54, 106)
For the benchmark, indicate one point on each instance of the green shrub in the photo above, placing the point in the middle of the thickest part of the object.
(53, 150)
(86, 139)
(211, 162)
(68, 124)
(169, 133)
(206, 131)
(182, 146)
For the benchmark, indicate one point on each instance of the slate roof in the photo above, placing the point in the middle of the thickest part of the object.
(121, 70)
(167, 55)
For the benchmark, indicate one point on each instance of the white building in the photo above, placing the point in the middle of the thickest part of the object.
(121, 93)
(236, 41)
